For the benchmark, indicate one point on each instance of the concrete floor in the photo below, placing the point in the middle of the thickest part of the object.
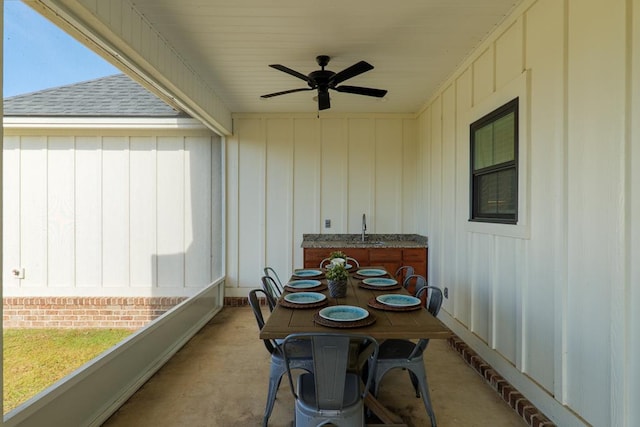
(220, 379)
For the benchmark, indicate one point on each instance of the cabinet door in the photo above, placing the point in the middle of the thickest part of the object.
(359, 254)
(313, 257)
(389, 258)
(417, 258)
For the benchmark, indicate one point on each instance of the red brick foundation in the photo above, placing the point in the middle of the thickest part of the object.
(529, 413)
(84, 312)
(236, 301)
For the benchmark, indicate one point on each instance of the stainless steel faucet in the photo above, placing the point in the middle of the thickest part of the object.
(364, 226)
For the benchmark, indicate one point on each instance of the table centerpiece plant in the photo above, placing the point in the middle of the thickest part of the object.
(337, 254)
(337, 280)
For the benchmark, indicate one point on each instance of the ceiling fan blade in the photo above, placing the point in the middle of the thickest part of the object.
(284, 92)
(347, 73)
(287, 70)
(378, 93)
(323, 100)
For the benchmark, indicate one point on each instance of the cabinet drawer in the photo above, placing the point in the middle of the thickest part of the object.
(384, 255)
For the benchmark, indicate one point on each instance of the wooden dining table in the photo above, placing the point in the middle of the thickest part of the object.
(387, 324)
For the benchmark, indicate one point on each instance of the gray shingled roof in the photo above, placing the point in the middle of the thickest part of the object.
(111, 96)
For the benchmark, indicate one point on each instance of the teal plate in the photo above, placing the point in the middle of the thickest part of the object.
(398, 300)
(371, 272)
(307, 273)
(380, 281)
(305, 297)
(304, 284)
(343, 313)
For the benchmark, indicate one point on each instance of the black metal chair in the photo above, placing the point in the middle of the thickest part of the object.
(299, 356)
(414, 283)
(333, 394)
(399, 353)
(271, 287)
(403, 273)
(270, 272)
(349, 261)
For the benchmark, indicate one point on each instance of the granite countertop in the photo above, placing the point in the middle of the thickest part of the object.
(371, 241)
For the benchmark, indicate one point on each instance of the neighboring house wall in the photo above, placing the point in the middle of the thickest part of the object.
(552, 303)
(104, 213)
(286, 175)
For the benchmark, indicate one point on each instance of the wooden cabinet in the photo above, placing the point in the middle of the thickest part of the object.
(417, 258)
(314, 256)
(389, 258)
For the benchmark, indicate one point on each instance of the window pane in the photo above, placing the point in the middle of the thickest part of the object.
(483, 154)
(503, 134)
(507, 187)
(497, 193)
(487, 194)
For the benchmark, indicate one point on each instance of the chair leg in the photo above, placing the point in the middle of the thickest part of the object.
(426, 398)
(275, 376)
(415, 382)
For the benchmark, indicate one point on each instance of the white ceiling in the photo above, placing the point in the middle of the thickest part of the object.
(414, 46)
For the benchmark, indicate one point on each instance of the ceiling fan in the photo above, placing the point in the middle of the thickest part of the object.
(323, 80)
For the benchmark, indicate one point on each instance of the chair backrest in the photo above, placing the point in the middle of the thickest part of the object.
(330, 353)
(433, 298)
(352, 261)
(270, 272)
(403, 273)
(414, 283)
(433, 302)
(254, 302)
(270, 286)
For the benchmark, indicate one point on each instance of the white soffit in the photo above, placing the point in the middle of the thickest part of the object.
(414, 45)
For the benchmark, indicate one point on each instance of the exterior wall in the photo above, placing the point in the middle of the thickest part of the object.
(79, 312)
(550, 303)
(111, 213)
(287, 174)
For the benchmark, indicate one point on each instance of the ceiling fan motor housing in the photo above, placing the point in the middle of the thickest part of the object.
(320, 78)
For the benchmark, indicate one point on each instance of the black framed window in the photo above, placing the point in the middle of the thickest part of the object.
(494, 166)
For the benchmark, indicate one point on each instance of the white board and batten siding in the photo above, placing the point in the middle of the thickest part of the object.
(287, 174)
(551, 302)
(113, 213)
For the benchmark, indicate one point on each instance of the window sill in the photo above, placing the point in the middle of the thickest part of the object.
(519, 231)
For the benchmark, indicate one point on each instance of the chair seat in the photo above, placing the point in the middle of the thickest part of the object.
(307, 391)
(396, 349)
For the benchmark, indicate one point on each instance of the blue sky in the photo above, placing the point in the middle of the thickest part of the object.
(38, 55)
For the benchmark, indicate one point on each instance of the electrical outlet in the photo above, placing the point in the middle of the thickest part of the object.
(327, 223)
(446, 292)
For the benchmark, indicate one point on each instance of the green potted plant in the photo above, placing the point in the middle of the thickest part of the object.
(337, 280)
(337, 254)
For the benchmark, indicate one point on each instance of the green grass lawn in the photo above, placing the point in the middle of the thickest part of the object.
(34, 359)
